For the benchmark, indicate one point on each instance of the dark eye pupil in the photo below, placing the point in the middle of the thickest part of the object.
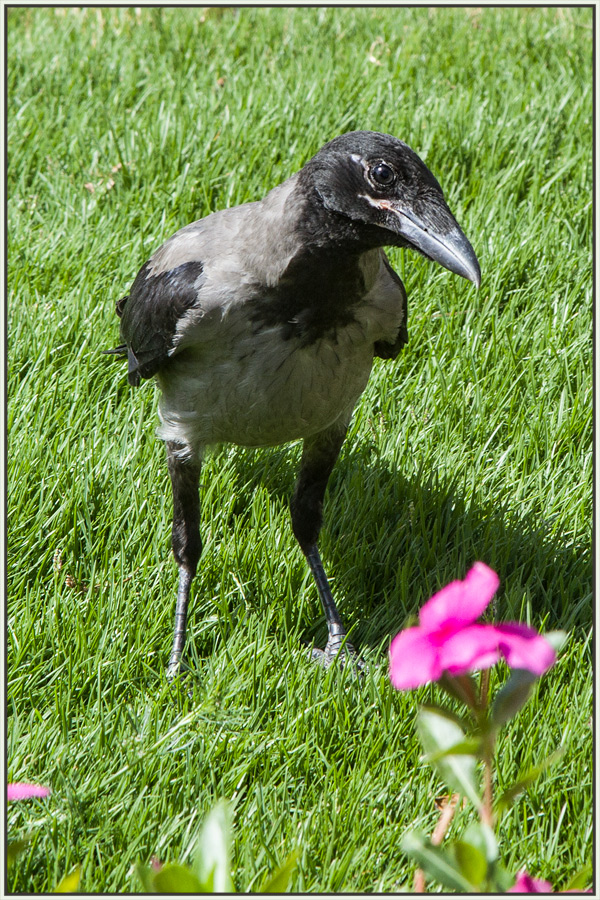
(382, 174)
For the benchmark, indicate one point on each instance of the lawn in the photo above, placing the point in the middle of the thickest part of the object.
(476, 443)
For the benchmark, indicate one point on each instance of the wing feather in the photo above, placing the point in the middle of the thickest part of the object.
(150, 313)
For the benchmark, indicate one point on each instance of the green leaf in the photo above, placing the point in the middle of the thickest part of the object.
(212, 857)
(581, 879)
(462, 721)
(146, 877)
(513, 696)
(510, 794)
(14, 848)
(70, 883)
(439, 733)
(500, 880)
(471, 862)
(462, 687)
(483, 838)
(468, 747)
(556, 639)
(435, 862)
(278, 881)
(174, 878)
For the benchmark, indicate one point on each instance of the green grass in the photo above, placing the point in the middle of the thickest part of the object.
(475, 444)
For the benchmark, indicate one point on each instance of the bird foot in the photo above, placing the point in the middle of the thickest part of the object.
(337, 648)
(175, 669)
(172, 672)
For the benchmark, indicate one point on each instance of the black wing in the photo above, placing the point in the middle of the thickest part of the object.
(149, 316)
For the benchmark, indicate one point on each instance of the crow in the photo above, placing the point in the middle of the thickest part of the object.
(260, 324)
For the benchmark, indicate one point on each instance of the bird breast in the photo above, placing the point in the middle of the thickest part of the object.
(238, 379)
(257, 390)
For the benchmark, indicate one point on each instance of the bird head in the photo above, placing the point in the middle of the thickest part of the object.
(377, 181)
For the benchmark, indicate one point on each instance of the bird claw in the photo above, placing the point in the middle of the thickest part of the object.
(337, 648)
(176, 669)
(172, 672)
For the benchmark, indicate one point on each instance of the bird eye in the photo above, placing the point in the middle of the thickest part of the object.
(382, 174)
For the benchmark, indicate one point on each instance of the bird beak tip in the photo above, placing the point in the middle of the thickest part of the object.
(475, 277)
(463, 260)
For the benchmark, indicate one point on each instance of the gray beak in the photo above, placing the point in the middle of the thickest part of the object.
(448, 247)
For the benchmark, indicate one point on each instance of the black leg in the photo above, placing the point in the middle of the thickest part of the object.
(187, 546)
(318, 459)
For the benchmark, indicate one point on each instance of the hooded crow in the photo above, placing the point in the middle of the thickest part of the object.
(261, 322)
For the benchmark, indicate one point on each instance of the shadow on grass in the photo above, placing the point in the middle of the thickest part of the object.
(405, 538)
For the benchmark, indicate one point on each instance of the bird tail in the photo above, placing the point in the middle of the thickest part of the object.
(121, 350)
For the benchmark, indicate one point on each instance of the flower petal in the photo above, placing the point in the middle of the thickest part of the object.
(20, 791)
(414, 660)
(525, 884)
(474, 647)
(460, 602)
(524, 648)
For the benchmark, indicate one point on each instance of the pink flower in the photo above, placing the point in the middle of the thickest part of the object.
(525, 884)
(24, 791)
(448, 640)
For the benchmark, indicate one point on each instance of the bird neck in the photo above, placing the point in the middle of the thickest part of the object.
(329, 232)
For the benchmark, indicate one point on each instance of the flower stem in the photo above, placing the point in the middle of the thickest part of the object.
(444, 820)
(419, 884)
(487, 815)
(484, 684)
(439, 832)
